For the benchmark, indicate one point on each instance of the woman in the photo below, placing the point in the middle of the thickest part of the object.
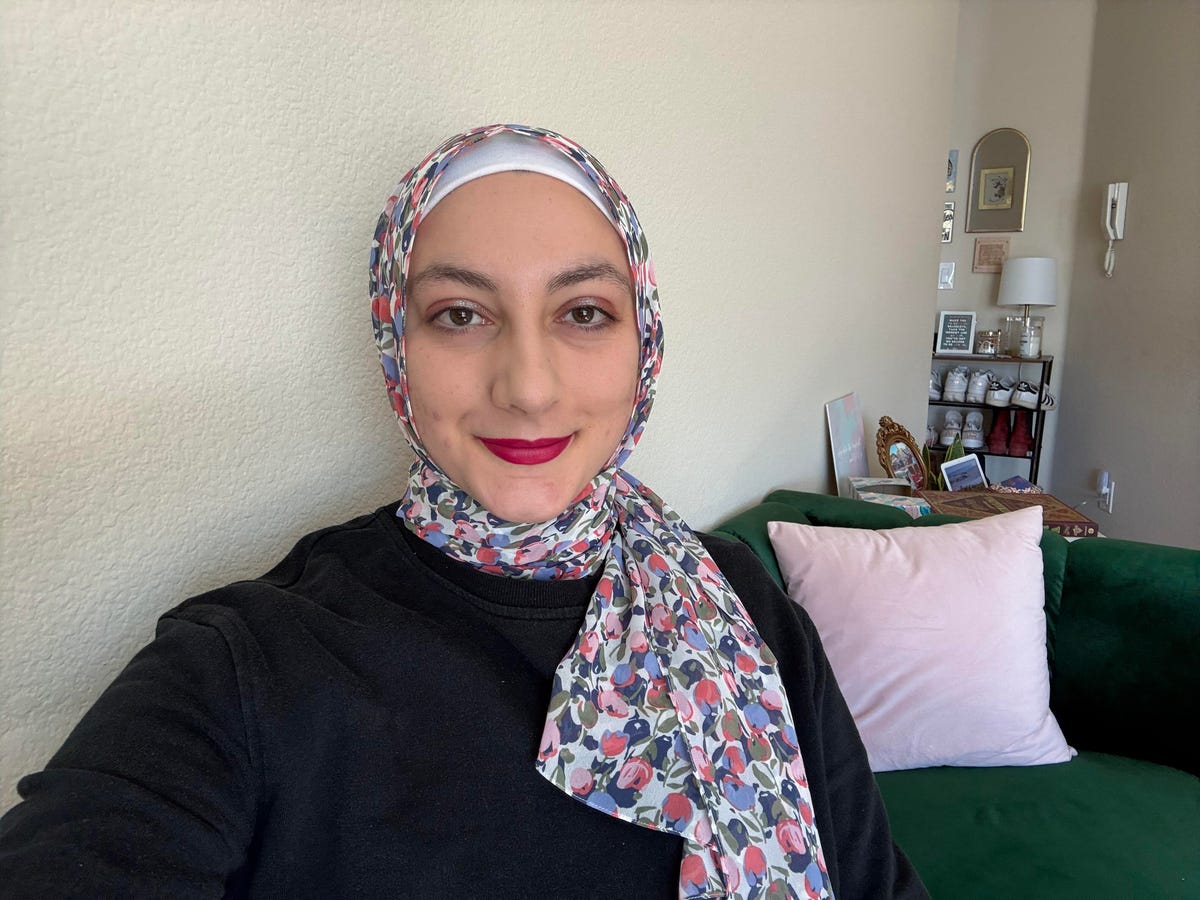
(485, 689)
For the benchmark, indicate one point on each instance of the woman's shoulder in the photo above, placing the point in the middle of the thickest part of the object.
(780, 621)
(744, 571)
(351, 570)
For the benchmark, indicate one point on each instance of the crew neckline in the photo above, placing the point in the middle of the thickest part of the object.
(513, 594)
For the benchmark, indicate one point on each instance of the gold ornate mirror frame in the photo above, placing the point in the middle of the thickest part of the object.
(899, 453)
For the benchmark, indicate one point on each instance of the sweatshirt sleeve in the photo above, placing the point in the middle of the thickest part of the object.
(864, 862)
(870, 864)
(155, 791)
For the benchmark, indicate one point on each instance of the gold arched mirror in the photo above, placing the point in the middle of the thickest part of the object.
(999, 178)
(899, 454)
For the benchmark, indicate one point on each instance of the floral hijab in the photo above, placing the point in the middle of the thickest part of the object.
(668, 711)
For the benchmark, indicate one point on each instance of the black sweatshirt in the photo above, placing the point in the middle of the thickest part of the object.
(363, 722)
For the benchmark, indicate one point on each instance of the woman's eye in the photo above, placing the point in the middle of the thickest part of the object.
(588, 315)
(458, 317)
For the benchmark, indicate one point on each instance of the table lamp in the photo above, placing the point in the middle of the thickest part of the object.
(1028, 281)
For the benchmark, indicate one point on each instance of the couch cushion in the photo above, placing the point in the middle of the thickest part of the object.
(1098, 826)
(937, 636)
(1128, 679)
(822, 509)
(841, 512)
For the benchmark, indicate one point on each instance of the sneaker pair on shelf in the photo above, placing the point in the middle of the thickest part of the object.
(999, 392)
(1004, 393)
(977, 386)
(971, 433)
(1027, 396)
(955, 388)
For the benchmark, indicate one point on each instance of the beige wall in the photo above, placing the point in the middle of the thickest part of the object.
(1133, 388)
(187, 381)
(1022, 64)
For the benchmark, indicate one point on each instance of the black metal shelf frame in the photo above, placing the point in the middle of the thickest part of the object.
(1045, 364)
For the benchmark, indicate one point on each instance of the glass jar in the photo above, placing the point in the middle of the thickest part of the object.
(1030, 344)
(987, 343)
(1010, 342)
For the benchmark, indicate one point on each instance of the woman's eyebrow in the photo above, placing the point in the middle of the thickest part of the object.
(588, 272)
(448, 272)
(604, 271)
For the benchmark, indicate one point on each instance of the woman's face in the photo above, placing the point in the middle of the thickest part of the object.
(521, 342)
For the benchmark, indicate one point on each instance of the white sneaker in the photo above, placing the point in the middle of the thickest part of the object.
(952, 428)
(972, 433)
(978, 385)
(999, 393)
(1047, 398)
(935, 386)
(1025, 395)
(955, 389)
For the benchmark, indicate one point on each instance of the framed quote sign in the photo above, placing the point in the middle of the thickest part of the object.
(955, 333)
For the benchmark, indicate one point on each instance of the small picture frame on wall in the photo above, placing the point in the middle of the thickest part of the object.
(990, 254)
(996, 188)
(952, 172)
(955, 333)
(948, 222)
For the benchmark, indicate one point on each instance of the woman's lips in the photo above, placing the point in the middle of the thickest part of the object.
(526, 453)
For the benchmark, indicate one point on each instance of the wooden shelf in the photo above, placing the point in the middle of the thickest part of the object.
(980, 357)
(937, 448)
(985, 406)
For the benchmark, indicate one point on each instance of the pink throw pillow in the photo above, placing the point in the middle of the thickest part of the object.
(937, 636)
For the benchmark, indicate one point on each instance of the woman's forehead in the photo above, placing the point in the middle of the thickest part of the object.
(516, 215)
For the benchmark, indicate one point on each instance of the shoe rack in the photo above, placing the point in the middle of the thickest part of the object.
(1035, 371)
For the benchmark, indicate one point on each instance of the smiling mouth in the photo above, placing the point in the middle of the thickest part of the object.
(526, 453)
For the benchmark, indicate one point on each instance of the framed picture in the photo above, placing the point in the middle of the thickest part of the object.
(846, 440)
(952, 172)
(946, 276)
(955, 333)
(899, 454)
(990, 254)
(963, 474)
(948, 222)
(995, 188)
(999, 182)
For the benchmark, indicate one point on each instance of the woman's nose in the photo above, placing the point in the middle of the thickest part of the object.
(525, 374)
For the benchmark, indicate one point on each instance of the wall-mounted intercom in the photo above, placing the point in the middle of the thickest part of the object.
(1115, 202)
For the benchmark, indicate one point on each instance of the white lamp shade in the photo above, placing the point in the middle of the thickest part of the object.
(1029, 281)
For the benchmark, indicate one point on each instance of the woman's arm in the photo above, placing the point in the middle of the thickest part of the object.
(155, 791)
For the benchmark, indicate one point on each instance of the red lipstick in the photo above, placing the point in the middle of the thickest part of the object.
(526, 453)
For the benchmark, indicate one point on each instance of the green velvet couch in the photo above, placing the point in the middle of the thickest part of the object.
(1122, 819)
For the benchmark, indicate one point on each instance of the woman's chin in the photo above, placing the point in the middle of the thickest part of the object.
(528, 503)
(524, 512)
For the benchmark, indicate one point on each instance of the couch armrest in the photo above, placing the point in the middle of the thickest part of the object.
(750, 527)
(1126, 678)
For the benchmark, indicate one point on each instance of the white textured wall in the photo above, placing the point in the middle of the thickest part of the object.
(186, 374)
(1135, 338)
(1023, 64)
